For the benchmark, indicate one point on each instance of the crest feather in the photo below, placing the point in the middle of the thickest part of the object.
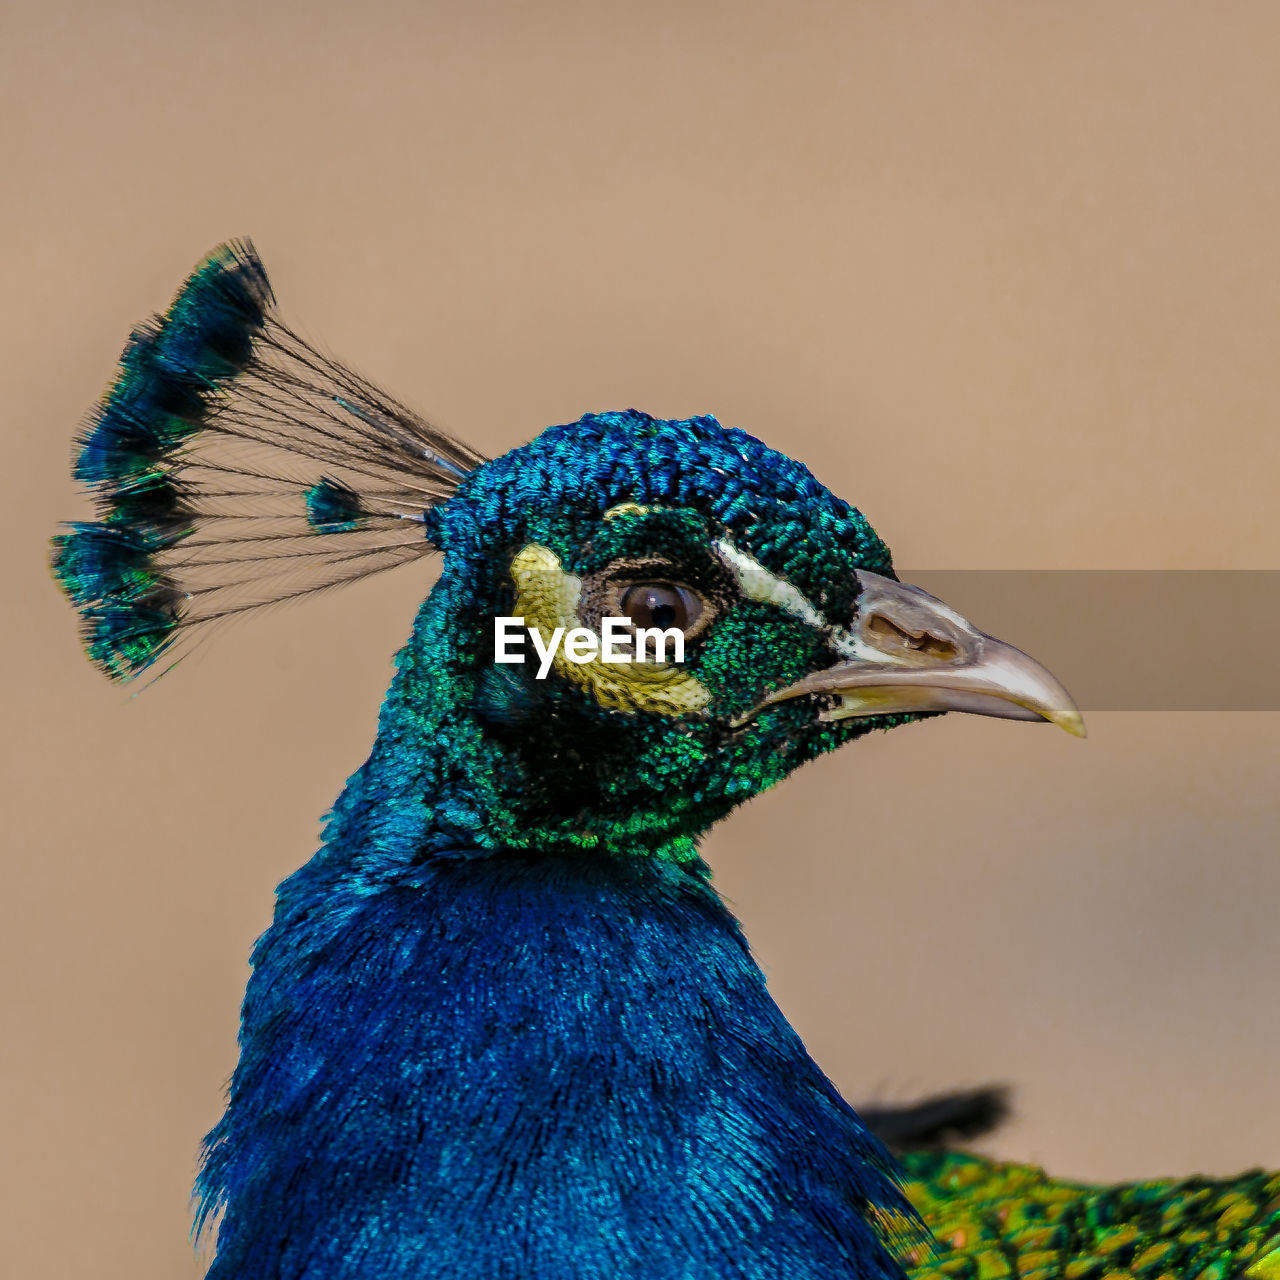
(233, 466)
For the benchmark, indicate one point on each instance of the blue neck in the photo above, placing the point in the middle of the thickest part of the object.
(530, 1066)
(472, 1049)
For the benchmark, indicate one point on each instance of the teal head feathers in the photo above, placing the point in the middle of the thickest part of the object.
(501, 1025)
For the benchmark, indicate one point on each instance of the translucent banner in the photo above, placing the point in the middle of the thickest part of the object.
(1133, 640)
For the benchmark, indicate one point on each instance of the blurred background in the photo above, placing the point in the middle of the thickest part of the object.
(1005, 274)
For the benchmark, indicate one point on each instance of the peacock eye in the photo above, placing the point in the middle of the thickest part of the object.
(663, 605)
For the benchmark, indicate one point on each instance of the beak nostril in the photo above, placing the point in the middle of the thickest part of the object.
(886, 634)
(906, 653)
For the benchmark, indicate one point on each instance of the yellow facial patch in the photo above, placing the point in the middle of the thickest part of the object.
(547, 597)
(626, 509)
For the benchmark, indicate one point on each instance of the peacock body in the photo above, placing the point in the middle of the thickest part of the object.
(502, 1025)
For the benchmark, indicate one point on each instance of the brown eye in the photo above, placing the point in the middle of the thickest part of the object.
(662, 604)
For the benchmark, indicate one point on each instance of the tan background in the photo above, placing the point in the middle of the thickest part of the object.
(1005, 274)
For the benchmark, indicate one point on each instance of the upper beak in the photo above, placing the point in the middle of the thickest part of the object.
(907, 651)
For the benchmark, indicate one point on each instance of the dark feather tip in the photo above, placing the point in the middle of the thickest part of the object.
(208, 332)
(144, 416)
(104, 562)
(940, 1120)
(124, 443)
(332, 507)
(171, 368)
(156, 505)
(124, 639)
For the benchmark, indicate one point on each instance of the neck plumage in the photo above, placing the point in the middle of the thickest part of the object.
(465, 1060)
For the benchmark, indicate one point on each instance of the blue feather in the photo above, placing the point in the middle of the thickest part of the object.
(529, 1068)
(333, 507)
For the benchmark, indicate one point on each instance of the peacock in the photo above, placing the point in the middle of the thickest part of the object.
(501, 1026)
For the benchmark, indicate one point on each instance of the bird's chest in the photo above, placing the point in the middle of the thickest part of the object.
(495, 1084)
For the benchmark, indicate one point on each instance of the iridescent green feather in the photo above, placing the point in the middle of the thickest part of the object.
(999, 1221)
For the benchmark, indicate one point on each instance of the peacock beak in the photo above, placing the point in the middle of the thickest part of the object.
(907, 651)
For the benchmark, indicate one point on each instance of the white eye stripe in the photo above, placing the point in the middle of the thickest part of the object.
(759, 584)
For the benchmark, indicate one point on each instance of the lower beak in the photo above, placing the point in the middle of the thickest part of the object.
(907, 651)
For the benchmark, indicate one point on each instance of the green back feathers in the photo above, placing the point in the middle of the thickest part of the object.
(997, 1221)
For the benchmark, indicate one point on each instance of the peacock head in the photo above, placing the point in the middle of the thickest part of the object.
(785, 631)
(639, 623)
